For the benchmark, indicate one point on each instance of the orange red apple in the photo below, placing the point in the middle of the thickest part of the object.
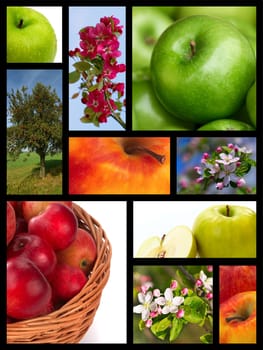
(234, 279)
(119, 165)
(237, 319)
(33, 208)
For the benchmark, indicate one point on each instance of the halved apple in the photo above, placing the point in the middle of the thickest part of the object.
(179, 242)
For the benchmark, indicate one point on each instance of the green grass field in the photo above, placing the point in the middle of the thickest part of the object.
(23, 175)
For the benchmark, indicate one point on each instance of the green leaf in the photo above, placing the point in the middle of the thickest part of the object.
(160, 329)
(177, 326)
(82, 66)
(243, 169)
(73, 77)
(207, 338)
(195, 309)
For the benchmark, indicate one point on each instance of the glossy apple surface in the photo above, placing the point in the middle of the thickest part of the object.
(30, 36)
(252, 104)
(227, 125)
(33, 208)
(202, 68)
(238, 320)
(81, 253)
(225, 231)
(28, 291)
(119, 165)
(235, 279)
(149, 114)
(10, 222)
(57, 224)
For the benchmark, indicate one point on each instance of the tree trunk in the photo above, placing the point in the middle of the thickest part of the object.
(42, 171)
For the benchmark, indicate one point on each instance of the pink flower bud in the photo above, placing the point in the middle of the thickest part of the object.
(173, 284)
(180, 313)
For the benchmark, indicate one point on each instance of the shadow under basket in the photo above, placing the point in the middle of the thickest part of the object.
(69, 323)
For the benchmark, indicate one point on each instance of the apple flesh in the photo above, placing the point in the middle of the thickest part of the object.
(236, 279)
(57, 224)
(81, 253)
(30, 36)
(179, 242)
(28, 291)
(224, 231)
(237, 319)
(10, 222)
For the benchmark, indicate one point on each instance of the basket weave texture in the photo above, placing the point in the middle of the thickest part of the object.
(70, 323)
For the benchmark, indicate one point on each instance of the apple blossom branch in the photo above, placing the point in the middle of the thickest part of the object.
(96, 66)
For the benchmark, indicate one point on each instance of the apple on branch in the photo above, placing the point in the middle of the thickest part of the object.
(179, 242)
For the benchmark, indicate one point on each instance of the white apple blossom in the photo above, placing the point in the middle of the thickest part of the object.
(146, 306)
(169, 302)
(227, 158)
(207, 281)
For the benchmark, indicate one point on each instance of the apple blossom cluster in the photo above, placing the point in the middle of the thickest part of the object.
(96, 64)
(166, 313)
(226, 166)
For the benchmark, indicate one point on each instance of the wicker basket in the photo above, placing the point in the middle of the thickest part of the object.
(70, 323)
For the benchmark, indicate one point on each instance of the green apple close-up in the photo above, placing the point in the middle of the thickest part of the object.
(226, 124)
(149, 114)
(30, 36)
(226, 231)
(202, 68)
(147, 25)
(251, 104)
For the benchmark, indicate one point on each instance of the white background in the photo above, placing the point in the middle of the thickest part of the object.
(109, 324)
(54, 16)
(157, 218)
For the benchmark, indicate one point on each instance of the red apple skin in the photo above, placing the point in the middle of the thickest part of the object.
(10, 222)
(28, 291)
(30, 209)
(238, 331)
(21, 225)
(235, 279)
(34, 248)
(66, 281)
(82, 252)
(57, 224)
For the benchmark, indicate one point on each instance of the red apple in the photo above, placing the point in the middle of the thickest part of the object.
(235, 279)
(66, 281)
(237, 319)
(34, 248)
(33, 208)
(28, 291)
(119, 165)
(81, 253)
(10, 222)
(21, 224)
(57, 224)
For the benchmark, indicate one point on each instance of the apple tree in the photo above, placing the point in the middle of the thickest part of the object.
(36, 123)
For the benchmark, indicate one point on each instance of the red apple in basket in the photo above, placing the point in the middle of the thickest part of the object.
(57, 224)
(81, 253)
(10, 222)
(30, 209)
(34, 248)
(28, 291)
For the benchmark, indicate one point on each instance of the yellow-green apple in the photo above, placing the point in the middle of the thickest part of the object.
(235, 279)
(179, 242)
(251, 104)
(27, 289)
(66, 281)
(30, 36)
(10, 222)
(34, 248)
(226, 124)
(225, 231)
(119, 165)
(81, 253)
(57, 224)
(33, 208)
(237, 319)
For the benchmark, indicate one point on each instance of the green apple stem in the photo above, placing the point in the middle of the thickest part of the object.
(132, 149)
(149, 40)
(193, 48)
(162, 252)
(20, 24)
(227, 211)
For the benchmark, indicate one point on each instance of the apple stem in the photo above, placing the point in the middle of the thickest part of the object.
(193, 47)
(235, 318)
(150, 40)
(130, 149)
(20, 24)
(227, 211)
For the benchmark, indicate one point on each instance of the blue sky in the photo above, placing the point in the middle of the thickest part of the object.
(80, 17)
(30, 77)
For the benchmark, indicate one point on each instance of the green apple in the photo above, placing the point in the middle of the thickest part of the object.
(179, 242)
(170, 11)
(202, 68)
(30, 36)
(149, 114)
(251, 104)
(148, 24)
(244, 13)
(226, 231)
(226, 124)
(247, 29)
